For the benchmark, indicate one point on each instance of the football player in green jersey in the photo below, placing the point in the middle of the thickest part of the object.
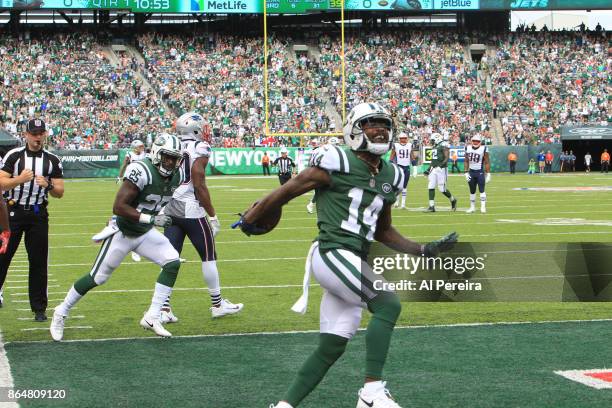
(147, 187)
(355, 190)
(437, 174)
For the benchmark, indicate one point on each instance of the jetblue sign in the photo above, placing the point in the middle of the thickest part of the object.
(456, 4)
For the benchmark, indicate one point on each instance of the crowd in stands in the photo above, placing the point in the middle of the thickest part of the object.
(533, 82)
(68, 81)
(544, 80)
(423, 77)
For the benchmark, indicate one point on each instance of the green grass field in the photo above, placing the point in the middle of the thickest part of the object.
(483, 366)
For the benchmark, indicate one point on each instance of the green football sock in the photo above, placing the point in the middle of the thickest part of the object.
(168, 273)
(314, 369)
(84, 284)
(432, 193)
(385, 309)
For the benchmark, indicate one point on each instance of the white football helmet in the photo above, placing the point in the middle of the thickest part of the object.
(136, 144)
(190, 126)
(166, 144)
(355, 137)
(436, 139)
(333, 141)
(476, 140)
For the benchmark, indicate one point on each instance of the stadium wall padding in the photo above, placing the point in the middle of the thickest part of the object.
(245, 161)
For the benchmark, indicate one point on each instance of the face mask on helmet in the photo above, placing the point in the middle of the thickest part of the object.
(369, 128)
(190, 126)
(476, 141)
(166, 154)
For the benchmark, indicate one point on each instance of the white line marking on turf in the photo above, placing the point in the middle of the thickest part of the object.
(272, 333)
(72, 317)
(177, 289)
(67, 327)
(6, 378)
(25, 287)
(27, 301)
(29, 310)
(581, 377)
(25, 281)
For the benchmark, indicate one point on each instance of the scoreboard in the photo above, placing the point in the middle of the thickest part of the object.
(300, 6)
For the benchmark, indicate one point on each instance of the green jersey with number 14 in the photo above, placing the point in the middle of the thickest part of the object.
(155, 192)
(348, 208)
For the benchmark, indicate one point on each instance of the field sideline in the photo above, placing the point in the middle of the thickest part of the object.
(265, 273)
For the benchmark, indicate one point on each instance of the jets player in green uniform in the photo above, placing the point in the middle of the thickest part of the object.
(437, 174)
(355, 190)
(147, 187)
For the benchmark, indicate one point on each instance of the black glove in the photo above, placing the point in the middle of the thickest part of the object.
(443, 244)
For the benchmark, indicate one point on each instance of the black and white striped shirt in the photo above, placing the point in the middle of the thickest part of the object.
(285, 165)
(42, 163)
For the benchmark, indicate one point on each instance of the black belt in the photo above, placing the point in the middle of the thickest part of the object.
(27, 207)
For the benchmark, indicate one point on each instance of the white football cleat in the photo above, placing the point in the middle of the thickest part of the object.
(471, 210)
(226, 308)
(167, 316)
(380, 398)
(136, 257)
(281, 404)
(154, 324)
(310, 207)
(57, 326)
(483, 209)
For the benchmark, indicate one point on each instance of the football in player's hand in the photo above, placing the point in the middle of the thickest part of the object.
(264, 224)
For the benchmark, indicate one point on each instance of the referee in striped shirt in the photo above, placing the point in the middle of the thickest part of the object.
(30, 173)
(285, 166)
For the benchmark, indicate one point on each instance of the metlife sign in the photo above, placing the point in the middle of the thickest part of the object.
(456, 4)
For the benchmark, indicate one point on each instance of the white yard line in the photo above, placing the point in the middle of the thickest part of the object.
(273, 333)
(46, 328)
(175, 289)
(72, 317)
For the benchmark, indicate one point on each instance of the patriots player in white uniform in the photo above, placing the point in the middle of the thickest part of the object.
(310, 207)
(477, 160)
(402, 156)
(189, 208)
(136, 154)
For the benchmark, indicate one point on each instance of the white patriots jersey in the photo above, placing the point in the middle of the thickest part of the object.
(184, 203)
(403, 153)
(475, 156)
(136, 157)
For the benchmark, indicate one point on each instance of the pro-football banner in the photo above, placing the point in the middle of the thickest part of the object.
(497, 272)
(90, 163)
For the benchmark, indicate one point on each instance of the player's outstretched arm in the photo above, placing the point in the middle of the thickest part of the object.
(307, 180)
(388, 235)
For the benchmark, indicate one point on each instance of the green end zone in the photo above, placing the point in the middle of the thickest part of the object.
(483, 366)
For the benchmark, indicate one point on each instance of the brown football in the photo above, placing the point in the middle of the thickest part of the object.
(268, 221)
